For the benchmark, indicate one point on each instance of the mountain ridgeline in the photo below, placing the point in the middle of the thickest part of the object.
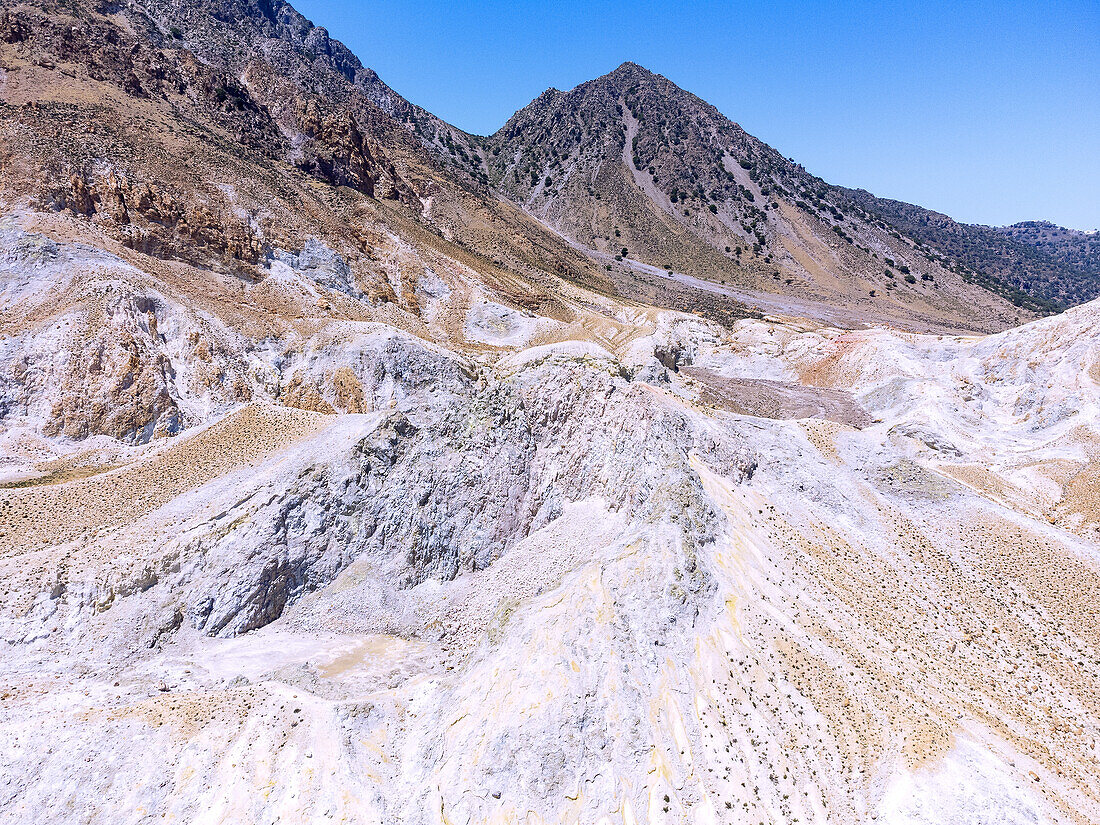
(632, 161)
(626, 185)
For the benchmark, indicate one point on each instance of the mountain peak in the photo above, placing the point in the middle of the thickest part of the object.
(636, 169)
(629, 67)
(629, 73)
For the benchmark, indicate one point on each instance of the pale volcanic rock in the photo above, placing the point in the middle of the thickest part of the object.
(483, 602)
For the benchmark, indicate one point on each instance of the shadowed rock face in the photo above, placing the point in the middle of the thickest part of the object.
(399, 508)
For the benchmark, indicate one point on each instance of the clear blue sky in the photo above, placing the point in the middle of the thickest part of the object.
(988, 111)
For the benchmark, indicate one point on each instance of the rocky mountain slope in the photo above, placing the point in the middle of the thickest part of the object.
(149, 121)
(631, 162)
(1046, 270)
(335, 486)
(635, 168)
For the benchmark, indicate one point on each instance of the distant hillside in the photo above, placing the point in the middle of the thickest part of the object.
(1077, 251)
(1032, 264)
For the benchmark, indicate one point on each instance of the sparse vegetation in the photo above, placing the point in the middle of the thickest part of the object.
(1014, 264)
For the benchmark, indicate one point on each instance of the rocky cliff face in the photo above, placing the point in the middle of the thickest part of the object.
(334, 486)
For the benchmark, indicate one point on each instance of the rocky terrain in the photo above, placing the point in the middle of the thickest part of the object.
(633, 166)
(636, 169)
(341, 479)
(1041, 269)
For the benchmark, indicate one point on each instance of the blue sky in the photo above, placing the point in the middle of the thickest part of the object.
(988, 111)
